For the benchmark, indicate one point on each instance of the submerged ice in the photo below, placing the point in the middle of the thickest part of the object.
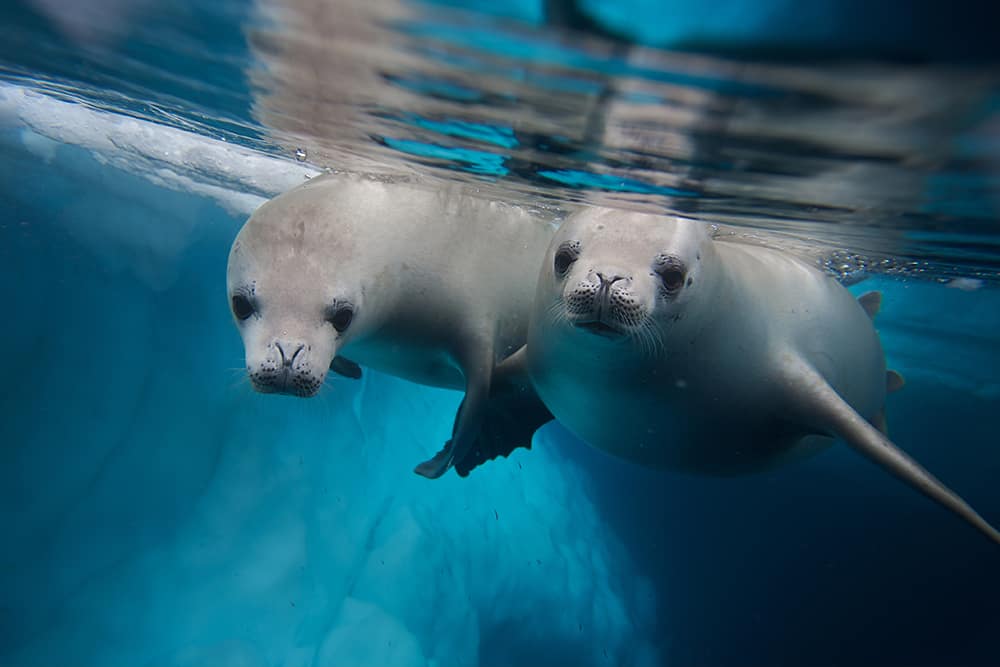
(160, 512)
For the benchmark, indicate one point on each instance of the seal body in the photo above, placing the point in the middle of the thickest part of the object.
(431, 286)
(653, 342)
(699, 383)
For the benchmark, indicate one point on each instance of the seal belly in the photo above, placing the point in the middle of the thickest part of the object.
(423, 362)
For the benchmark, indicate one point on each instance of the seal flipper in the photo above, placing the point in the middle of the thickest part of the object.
(893, 382)
(871, 302)
(820, 406)
(879, 422)
(345, 367)
(438, 465)
(513, 414)
(468, 420)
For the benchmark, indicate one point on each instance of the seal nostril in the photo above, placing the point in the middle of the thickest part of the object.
(606, 281)
(286, 360)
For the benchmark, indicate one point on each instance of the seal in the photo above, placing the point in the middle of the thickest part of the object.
(431, 286)
(656, 343)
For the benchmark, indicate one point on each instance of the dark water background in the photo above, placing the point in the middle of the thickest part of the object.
(140, 476)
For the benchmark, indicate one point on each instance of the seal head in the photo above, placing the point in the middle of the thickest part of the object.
(603, 284)
(293, 311)
(428, 284)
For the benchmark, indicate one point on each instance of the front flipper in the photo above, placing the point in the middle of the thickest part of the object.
(469, 419)
(819, 406)
(345, 367)
(513, 413)
(438, 465)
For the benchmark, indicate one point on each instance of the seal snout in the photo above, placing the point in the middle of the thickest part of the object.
(602, 302)
(286, 369)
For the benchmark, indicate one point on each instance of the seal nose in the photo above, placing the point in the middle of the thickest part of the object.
(609, 279)
(602, 296)
(286, 360)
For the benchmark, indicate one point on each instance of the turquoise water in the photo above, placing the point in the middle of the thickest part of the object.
(158, 512)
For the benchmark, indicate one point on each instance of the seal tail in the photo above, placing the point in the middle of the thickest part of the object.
(512, 415)
(816, 398)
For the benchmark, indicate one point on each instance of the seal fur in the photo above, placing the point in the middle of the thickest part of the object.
(431, 286)
(653, 342)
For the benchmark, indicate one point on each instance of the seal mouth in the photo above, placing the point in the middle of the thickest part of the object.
(287, 382)
(600, 328)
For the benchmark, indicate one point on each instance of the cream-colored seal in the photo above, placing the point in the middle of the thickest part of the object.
(431, 286)
(652, 341)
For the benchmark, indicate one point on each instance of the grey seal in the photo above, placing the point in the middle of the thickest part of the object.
(431, 286)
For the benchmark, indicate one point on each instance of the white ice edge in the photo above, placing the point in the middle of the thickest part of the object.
(237, 178)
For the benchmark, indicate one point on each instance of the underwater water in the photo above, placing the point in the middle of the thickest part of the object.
(157, 511)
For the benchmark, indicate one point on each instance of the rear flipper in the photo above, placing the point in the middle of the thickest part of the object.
(478, 368)
(818, 405)
(893, 382)
(498, 423)
(463, 433)
(512, 415)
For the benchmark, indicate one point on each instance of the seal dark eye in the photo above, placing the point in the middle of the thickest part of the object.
(671, 271)
(565, 256)
(341, 318)
(672, 279)
(242, 308)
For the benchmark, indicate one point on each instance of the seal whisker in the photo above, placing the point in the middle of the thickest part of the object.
(655, 337)
(646, 342)
(324, 398)
(556, 313)
(241, 384)
(649, 341)
(235, 384)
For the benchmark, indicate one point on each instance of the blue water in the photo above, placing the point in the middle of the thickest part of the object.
(158, 512)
